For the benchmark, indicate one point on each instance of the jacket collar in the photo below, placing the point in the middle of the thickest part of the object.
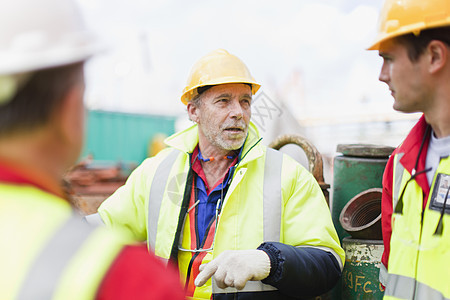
(18, 174)
(187, 140)
(410, 148)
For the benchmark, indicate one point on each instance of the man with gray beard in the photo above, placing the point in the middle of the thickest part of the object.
(240, 220)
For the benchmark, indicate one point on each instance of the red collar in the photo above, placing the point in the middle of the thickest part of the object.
(410, 148)
(16, 173)
(198, 169)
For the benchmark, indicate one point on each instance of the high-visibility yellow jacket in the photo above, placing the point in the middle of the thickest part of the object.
(46, 252)
(418, 254)
(271, 198)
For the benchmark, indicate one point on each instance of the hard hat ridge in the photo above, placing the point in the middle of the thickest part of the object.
(399, 17)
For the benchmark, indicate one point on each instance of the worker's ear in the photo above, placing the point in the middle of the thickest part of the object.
(193, 112)
(438, 53)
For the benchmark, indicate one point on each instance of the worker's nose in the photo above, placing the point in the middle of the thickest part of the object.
(236, 110)
(384, 73)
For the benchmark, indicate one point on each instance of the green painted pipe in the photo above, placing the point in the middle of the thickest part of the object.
(361, 270)
(359, 168)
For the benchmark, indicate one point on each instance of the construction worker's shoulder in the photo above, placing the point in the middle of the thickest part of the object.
(138, 274)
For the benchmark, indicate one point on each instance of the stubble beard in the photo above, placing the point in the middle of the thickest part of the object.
(217, 137)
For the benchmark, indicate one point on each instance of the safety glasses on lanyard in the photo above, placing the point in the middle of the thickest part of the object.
(218, 209)
(216, 219)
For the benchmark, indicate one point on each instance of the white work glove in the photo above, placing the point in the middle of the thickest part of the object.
(233, 268)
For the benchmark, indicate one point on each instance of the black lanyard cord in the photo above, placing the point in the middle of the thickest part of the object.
(399, 207)
(440, 225)
(183, 210)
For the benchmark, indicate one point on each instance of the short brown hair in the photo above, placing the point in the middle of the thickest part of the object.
(416, 45)
(33, 104)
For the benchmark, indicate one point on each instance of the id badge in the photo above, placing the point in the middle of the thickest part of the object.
(440, 189)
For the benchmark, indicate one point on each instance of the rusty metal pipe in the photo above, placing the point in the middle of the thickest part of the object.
(314, 157)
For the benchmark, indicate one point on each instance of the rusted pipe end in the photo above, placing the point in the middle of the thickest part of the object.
(313, 155)
(361, 216)
(365, 150)
(314, 158)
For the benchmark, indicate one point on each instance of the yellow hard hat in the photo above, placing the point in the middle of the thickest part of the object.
(156, 144)
(218, 67)
(400, 17)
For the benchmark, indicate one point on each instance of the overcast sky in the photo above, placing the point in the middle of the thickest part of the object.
(308, 53)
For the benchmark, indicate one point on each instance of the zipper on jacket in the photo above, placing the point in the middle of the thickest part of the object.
(418, 252)
(196, 254)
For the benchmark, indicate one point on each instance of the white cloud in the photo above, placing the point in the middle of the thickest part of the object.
(323, 39)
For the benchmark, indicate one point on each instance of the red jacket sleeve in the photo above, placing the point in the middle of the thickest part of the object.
(136, 274)
(386, 210)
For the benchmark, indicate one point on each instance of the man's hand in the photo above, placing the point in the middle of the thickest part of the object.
(233, 268)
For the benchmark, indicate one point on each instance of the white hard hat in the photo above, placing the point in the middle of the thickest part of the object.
(39, 34)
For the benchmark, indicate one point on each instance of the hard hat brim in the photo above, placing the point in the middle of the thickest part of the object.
(23, 62)
(192, 92)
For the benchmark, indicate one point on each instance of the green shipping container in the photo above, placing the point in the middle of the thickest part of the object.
(124, 137)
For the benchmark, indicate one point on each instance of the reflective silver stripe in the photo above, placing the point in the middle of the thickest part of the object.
(272, 201)
(425, 292)
(400, 287)
(407, 288)
(94, 219)
(398, 175)
(336, 256)
(156, 194)
(250, 286)
(383, 276)
(43, 277)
